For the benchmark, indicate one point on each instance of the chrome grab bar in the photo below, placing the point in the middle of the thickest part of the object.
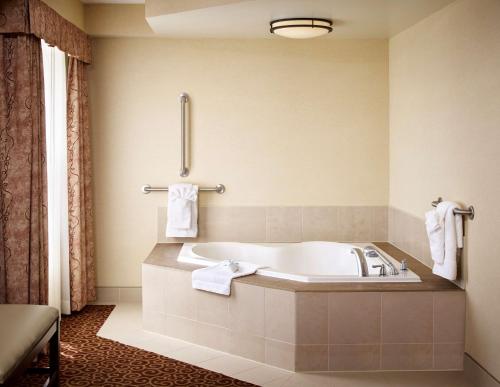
(370, 250)
(219, 188)
(457, 211)
(184, 171)
(361, 261)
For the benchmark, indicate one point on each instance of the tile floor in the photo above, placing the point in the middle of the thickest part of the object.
(125, 326)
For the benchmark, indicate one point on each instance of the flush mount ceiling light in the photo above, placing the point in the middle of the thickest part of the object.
(301, 27)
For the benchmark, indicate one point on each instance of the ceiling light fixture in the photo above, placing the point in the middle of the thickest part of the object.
(301, 27)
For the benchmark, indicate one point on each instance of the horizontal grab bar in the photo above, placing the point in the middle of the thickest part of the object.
(457, 211)
(219, 188)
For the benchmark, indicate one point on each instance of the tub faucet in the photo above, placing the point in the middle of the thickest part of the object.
(372, 252)
(382, 272)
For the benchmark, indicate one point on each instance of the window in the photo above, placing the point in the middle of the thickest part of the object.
(54, 68)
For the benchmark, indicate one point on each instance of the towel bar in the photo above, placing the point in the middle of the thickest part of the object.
(219, 188)
(457, 211)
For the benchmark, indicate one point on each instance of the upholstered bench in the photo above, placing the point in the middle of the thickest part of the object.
(24, 332)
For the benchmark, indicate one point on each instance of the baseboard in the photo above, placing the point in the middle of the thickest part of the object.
(113, 295)
(477, 374)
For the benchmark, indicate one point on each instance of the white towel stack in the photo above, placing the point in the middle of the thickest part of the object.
(445, 232)
(182, 218)
(217, 279)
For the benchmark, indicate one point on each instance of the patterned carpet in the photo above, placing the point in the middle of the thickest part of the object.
(88, 360)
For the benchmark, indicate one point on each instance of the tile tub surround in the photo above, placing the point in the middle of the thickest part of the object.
(165, 254)
(286, 224)
(308, 329)
(408, 233)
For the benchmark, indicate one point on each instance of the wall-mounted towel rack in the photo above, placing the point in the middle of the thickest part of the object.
(469, 212)
(219, 188)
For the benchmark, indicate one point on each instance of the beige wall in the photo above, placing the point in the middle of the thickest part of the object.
(72, 10)
(444, 140)
(278, 122)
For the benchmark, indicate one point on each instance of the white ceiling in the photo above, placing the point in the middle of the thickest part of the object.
(250, 18)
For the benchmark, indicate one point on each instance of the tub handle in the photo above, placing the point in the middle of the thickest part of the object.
(361, 261)
(383, 272)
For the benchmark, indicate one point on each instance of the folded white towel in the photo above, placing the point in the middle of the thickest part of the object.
(434, 224)
(445, 231)
(217, 279)
(182, 217)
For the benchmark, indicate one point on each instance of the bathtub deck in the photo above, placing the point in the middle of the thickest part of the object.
(165, 254)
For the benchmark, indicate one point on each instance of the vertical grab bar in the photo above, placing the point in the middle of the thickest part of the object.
(183, 98)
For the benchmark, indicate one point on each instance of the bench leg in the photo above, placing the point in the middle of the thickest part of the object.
(54, 359)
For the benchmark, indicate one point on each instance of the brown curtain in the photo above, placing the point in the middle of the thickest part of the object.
(23, 180)
(34, 17)
(57, 31)
(81, 236)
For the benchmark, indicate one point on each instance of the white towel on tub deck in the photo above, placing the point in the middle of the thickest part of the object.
(182, 216)
(217, 278)
(445, 232)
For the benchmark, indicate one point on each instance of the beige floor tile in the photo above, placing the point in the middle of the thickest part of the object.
(229, 365)
(282, 382)
(164, 346)
(310, 380)
(125, 320)
(426, 379)
(399, 379)
(360, 379)
(125, 326)
(195, 354)
(131, 337)
(262, 374)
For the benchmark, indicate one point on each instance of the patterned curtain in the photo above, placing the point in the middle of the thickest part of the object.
(81, 235)
(23, 179)
(37, 18)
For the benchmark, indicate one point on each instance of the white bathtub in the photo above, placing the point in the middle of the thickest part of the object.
(304, 262)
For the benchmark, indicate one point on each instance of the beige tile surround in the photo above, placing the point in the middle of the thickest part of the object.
(286, 224)
(407, 232)
(302, 331)
(305, 331)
